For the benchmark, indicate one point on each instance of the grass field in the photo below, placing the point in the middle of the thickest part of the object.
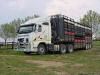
(77, 63)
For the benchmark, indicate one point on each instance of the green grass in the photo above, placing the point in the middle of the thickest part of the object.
(96, 43)
(77, 63)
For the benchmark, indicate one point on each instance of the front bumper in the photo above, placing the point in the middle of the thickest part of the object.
(26, 48)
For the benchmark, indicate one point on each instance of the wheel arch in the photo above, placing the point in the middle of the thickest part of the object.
(43, 43)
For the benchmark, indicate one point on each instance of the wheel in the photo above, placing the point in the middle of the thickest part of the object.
(62, 49)
(70, 48)
(90, 46)
(87, 47)
(27, 53)
(41, 49)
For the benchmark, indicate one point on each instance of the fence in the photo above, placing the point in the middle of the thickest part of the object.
(8, 45)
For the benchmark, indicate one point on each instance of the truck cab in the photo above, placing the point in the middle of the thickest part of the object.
(34, 33)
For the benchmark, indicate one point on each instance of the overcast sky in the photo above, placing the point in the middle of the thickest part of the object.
(12, 9)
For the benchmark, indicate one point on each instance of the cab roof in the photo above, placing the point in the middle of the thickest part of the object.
(36, 20)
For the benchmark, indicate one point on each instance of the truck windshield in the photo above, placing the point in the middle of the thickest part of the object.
(27, 29)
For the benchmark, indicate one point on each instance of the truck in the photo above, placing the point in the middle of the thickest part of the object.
(57, 33)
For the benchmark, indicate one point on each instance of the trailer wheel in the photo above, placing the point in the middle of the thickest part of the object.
(41, 49)
(70, 48)
(62, 49)
(87, 47)
(90, 46)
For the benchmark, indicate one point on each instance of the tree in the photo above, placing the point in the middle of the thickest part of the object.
(91, 19)
(8, 31)
(12, 32)
(5, 32)
(16, 23)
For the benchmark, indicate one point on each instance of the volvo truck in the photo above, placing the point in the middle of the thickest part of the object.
(53, 33)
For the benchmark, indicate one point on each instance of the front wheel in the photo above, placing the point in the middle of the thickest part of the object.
(41, 49)
(70, 48)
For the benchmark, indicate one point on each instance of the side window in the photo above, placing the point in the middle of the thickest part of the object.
(39, 28)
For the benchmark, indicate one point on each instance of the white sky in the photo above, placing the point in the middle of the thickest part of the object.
(12, 9)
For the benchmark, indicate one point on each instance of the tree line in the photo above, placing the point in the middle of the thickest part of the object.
(8, 30)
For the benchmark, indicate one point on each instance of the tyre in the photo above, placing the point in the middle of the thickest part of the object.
(90, 46)
(87, 47)
(41, 49)
(62, 49)
(70, 48)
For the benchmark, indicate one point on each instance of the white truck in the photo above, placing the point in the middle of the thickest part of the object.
(53, 33)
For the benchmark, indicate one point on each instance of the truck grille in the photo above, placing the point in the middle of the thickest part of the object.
(21, 46)
(21, 43)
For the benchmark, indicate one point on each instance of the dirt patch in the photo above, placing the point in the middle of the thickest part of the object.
(44, 64)
(77, 65)
(7, 55)
(62, 73)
